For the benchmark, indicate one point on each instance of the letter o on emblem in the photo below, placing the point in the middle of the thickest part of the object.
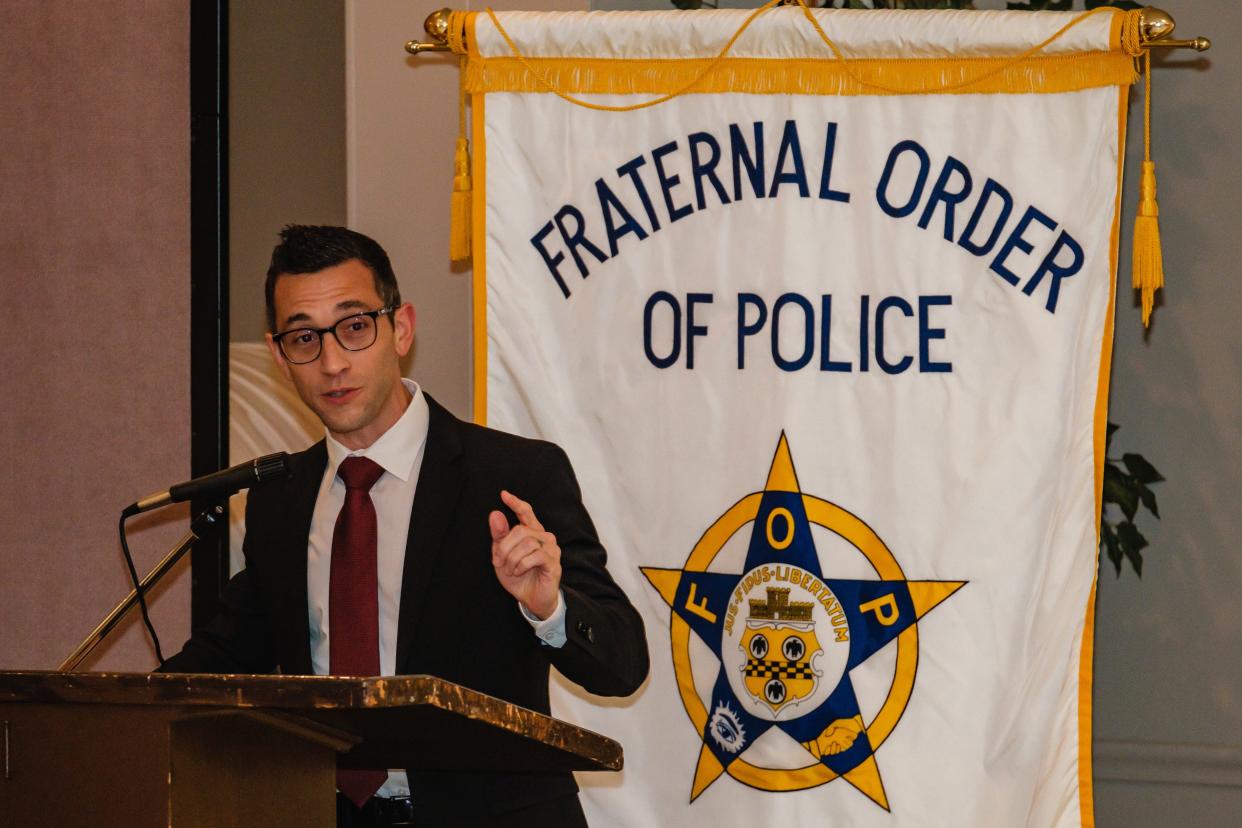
(789, 528)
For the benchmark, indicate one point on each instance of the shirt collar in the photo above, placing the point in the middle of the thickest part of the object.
(399, 446)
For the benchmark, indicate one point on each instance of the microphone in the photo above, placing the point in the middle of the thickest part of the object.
(217, 484)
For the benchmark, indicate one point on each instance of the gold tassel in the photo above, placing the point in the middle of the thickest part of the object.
(1147, 261)
(460, 213)
(1148, 264)
(459, 224)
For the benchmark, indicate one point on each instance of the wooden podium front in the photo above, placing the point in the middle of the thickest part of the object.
(198, 751)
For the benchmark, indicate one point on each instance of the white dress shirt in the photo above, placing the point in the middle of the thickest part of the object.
(399, 451)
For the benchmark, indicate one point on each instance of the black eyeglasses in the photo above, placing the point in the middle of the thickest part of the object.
(356, 332)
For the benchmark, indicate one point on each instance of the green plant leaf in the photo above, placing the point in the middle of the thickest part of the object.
(1142, 471)
(1041, 5)
(1149, 500)
(1132, 544)
(1112, 547)
(1119, 489)
(1116, 4)
(1125, 486)
(930, 4)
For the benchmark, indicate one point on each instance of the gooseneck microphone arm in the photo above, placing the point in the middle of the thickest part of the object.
(217, 485)
(199, 527)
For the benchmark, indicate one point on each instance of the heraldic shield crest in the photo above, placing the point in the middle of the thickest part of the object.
(780, 646)
(784, 711)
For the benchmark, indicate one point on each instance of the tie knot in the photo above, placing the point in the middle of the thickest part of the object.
(359, 473)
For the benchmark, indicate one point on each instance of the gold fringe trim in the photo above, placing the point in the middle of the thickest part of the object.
(780, 76)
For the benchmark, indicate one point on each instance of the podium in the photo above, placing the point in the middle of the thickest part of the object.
(131, 749)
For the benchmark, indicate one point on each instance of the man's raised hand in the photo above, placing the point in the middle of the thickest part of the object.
(527, 558)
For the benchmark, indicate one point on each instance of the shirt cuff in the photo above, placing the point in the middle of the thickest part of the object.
(551, 630)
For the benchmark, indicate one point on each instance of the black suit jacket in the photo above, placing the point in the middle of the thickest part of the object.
(455, 621)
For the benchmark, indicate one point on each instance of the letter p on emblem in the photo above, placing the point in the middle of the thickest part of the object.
(884, 607)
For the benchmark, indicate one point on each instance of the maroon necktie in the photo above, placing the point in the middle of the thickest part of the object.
(353, 602)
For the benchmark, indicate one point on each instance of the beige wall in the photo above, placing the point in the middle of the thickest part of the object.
(94, 324)
(286, 136)
(402, 123)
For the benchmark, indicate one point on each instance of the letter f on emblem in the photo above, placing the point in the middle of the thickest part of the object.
(700, 609)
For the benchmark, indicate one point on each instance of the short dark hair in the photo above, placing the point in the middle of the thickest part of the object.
(308, 248)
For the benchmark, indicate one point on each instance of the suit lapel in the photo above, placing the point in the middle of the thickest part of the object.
(440, 481)
(292, 543)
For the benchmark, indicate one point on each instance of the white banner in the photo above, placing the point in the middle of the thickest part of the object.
(832, 371)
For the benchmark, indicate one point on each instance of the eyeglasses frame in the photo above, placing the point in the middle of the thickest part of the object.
(374, 314)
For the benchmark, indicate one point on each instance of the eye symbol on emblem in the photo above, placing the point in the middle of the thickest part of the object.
(727, 730)
(759, 646)
(793, 648)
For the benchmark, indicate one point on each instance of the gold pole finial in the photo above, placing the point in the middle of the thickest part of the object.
(437, 26)
(1156, 23)
(1156, 26)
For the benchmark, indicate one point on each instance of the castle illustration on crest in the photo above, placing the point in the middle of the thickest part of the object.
(778, 607)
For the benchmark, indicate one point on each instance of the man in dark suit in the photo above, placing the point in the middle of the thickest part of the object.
(429, 562)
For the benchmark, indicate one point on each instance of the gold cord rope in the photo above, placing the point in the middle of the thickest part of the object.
(1147, 106)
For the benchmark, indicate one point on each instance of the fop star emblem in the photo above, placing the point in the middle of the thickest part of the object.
(784, 712)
